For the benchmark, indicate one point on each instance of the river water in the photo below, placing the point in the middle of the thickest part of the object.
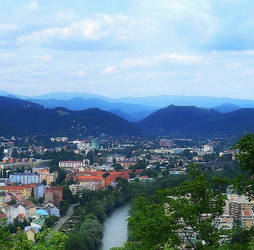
(116, 228)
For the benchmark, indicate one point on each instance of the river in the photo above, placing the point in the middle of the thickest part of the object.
(116, 228)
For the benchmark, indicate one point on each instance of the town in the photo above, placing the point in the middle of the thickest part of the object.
(38, 176)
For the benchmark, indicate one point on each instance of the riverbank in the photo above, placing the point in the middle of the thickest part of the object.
(85, 227)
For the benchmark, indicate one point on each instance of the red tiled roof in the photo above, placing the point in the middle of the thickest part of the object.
(2, 215)
(19, 187)
(246, 213)
(89, 178)
(21, 216)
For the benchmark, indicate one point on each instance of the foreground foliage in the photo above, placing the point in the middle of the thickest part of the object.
(45, 240)
(170, 219)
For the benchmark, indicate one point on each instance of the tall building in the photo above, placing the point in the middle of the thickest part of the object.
(208, 149)
(236, 204)
(25, 178)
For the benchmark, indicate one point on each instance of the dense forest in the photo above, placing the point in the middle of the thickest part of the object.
(20, 117)
(197, 122)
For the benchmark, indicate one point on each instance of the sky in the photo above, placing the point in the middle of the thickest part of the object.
(120, 48)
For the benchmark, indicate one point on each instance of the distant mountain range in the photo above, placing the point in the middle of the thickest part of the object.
(70, 95)
(131, 112)
(198, 101)
(192, 121)
(133, 108)
(20, 117)
(90, 114)
(136, 109)
(226, 108)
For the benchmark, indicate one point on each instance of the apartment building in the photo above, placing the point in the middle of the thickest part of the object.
(25, 178)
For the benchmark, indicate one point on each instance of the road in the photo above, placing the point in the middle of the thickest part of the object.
(62, 220)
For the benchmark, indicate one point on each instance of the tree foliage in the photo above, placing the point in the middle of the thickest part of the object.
(246, 152)
(178, 214)
(45, 240)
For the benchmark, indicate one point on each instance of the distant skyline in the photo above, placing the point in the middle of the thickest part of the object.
(121, 48)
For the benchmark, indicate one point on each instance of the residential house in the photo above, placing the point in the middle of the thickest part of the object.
(54, 195)
(53, 210)
(29, 208)
(25, 190)
(247, 218)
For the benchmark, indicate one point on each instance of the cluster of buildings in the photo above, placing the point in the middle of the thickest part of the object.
(12, 197)
(38, 175)
(238, 210)
(86, 145)
(19, 192)
(95, 180)
(59, 139)
(110, 159)
(123, 161)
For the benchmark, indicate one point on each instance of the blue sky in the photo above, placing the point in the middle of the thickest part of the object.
(128, 47)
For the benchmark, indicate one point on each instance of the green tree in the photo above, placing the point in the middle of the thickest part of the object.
(12, 202)
(45, 240)
(178, 214)
(246, 152)
(32, 193)
(64, 207)
(140, 164)
(88, 236)
(51, 220)
(67, 194)
(245, 157)
(117, 166)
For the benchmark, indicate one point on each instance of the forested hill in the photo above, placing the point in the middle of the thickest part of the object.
(193, 121)
(19, 117)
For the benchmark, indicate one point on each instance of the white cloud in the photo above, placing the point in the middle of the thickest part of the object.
(148, 44)
(102, 26)
(136, 62)
(158, 60)
(33, 5)
(109, 70)
(180, 58)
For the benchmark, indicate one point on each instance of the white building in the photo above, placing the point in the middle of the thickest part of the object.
(70, 165)
(208, 149)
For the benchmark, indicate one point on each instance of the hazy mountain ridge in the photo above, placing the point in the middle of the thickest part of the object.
(227, 107)
(158, 101)
(19, 117)
(198, 101)
(131, 112)
(193, 121)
